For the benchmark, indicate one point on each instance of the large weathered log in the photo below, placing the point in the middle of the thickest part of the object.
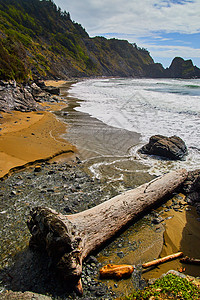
(68, 239)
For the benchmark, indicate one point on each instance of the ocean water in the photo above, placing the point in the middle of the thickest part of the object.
(148, 107)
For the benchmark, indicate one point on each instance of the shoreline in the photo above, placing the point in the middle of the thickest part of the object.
(99, 144)
(29, 137)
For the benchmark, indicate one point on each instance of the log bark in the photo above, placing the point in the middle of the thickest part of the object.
(68, 239)
(162, 260)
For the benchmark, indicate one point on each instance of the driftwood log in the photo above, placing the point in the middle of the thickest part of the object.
(68, 239)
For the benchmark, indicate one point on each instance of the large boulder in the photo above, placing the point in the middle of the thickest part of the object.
(172, 147)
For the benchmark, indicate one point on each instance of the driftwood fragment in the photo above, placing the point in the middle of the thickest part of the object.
(162, 260)
(116, 271)
(188, 260)
(68, 239)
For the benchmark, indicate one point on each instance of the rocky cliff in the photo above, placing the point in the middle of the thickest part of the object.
(37, 39)
(181, 68)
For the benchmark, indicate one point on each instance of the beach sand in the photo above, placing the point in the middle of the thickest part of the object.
(31, 136)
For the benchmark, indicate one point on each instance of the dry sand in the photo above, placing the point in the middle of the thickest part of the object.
(31, 136)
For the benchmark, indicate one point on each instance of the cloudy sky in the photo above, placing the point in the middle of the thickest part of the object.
(167, 28)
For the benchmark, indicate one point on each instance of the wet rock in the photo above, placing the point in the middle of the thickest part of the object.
(13, 193)
(172, 147)
(192, 183)
(41, 84)
(9, 295)
(92, 260)
(37, 169)
(92, 288)
(100, 292)
(51, 172)
(67, 209)
(191, 187)
(64, 113)
(156, 221)
(52, 90)
(120, 254)
(198, 208)
(36, 90)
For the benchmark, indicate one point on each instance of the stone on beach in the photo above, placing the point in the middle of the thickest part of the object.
(173, 147)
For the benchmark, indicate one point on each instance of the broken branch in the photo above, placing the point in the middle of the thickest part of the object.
(187, 260)
(162, 260)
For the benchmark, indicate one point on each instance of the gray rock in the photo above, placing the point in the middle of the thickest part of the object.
(172, 147)
(37, 169)
(17, 98)
(156, 221)
(10, 295)
(120, 254)
(92, 260)
(52, 90)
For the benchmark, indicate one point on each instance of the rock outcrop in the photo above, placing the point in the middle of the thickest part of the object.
(172, 147)
(24, 98)
(181, 68)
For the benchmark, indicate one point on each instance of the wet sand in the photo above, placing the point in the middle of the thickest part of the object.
(31, 136)
(181, 234)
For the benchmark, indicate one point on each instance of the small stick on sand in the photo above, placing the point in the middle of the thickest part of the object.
(162, 260)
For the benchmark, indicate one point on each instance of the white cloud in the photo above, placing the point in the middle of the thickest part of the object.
(172, 51)
(133, 16)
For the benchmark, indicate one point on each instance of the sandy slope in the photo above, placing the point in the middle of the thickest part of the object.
(26, 137)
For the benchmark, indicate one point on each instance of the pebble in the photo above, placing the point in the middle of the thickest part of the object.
(13, 193)
(157, 220)
(38, 169)
(92, 260)
(121, 254)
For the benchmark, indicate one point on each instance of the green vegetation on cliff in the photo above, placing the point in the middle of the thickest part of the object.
(37, 39)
